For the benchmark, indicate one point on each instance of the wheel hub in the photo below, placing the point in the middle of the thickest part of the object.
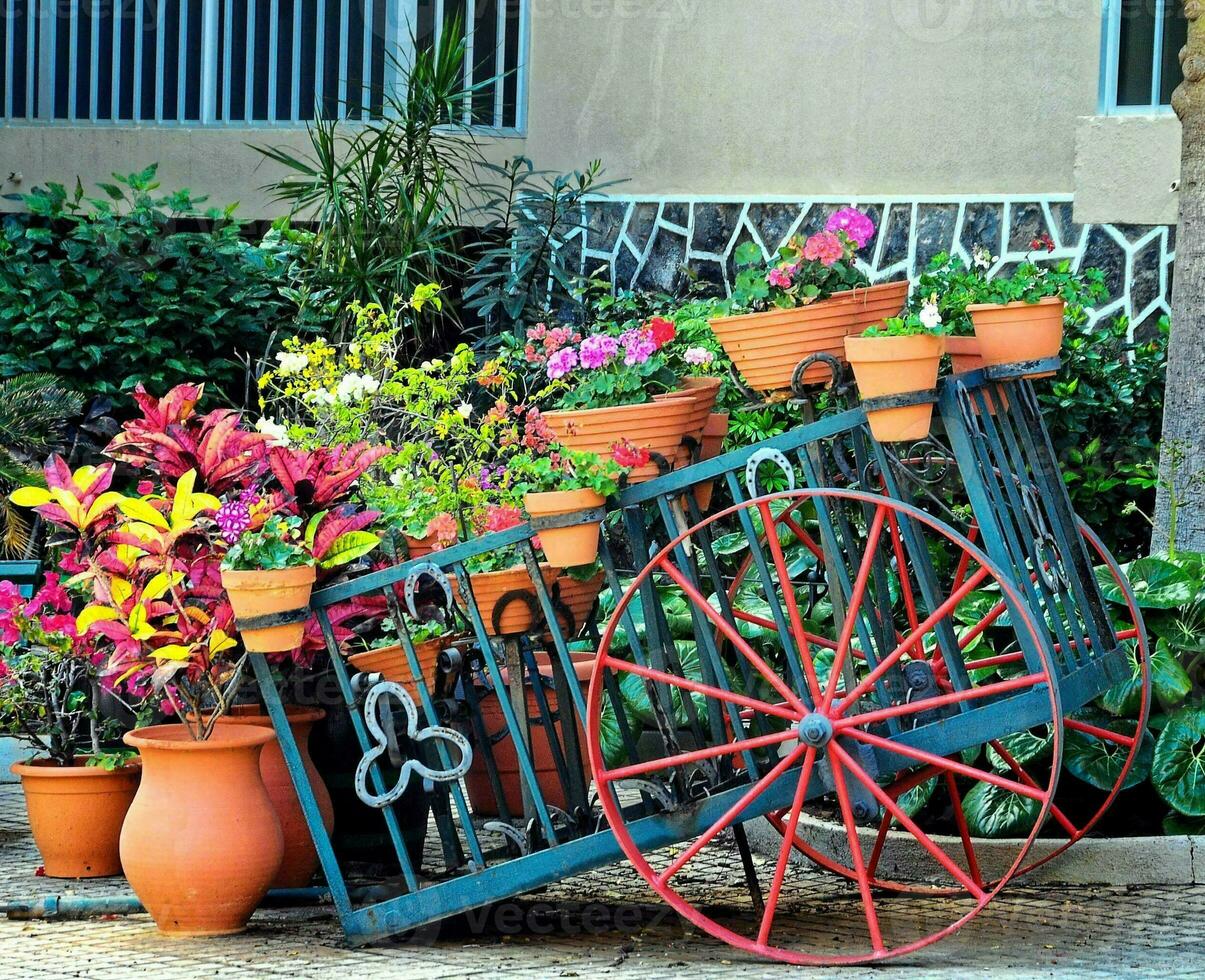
(816, 730)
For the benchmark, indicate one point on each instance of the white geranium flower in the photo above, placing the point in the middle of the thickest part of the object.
(930, 316)
(465, 410)
(279, 434)
(291, 363)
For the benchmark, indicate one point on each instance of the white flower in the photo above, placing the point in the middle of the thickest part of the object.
(320, 397)
(291, 363)
(465, 410)
(983, 258)
(698, 355)
(354, 387)
(354, 348)
(277, 433)
(397, 478)
(930, 316)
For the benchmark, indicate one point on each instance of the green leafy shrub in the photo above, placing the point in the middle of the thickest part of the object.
(109, 292)
(1104, 412)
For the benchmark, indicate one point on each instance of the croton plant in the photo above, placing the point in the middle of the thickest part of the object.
(150, 563)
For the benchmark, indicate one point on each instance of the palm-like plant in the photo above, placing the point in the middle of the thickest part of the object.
(386, 197)
(35, 410)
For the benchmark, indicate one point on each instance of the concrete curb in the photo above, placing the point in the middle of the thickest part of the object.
(1092, 861)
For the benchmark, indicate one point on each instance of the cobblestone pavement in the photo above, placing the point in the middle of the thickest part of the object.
(606, 923)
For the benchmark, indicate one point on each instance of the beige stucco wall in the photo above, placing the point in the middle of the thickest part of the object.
(727, 98)
(1127, 169)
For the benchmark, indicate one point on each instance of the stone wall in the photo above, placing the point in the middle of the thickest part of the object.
(646, 243)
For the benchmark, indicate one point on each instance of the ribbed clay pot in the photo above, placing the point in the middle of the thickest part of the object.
(895, 366)
(75, 814)
(490, 588)
(577, 544)
(420, 547)
(766, 347)
(1019, 331)
(578, 597)
(506, 760)
(264, 592)
(714, 433)
(300, 859)
(201, 843)
(392, 664)
(703, 393)
(656, 426)
(966, 357)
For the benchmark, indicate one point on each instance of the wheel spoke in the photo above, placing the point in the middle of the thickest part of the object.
(788, 591)
(928, 704)
(940, 856)
(1019, 771)
(733, 636)
(697, 687)
(1102, 733)
(784, 852)
(884, 665)
(964, 831)
(920, 755)
(855, 851)
(805, 539)
(901, 565)
(698, 755)
(731, 814)
(854, 607)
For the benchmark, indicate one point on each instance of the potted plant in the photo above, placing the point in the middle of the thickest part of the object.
(602, 387)
(386, 657)
(807, 301)
(561, 483)
(898, 357)
(76, 793)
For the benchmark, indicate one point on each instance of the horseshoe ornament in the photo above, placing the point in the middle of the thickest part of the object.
(373, 709)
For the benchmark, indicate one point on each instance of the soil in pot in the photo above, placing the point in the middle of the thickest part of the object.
(506, 760)
(76, 813)
(201, 843)
(767, 347)
(655, 426)
(895, 366)
(300, 859)
(1019, 331)
(264, 592)
(577, 544)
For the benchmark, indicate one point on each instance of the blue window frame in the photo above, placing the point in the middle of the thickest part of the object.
(1140, 54)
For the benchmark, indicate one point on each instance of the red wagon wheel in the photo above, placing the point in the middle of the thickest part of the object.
(822, 744)
(1063, 826)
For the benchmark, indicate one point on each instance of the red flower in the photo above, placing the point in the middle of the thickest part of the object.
(628, 455)
(663, 331)
(1042, 242)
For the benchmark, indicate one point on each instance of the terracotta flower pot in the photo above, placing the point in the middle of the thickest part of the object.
(714, 433)
(264, 592)
(566, 547)
(578, 597)
(421, 547)
(1019, 331)
(392, 664)
(766, 347)
(896, 366)
(965, 357)
(656, 426)
(201, 843)
(300, 859)
(75, 813)
(506, 760)
(490, 588)
(703, 393)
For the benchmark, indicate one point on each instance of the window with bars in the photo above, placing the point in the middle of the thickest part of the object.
(246, 62)
(1140, 54)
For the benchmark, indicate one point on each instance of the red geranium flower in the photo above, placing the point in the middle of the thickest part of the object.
(627, 454)
(663, 331)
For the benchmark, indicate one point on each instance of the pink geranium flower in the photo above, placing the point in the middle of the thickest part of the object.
(780, 278)
(561, 363)
(825, 248)
(856, 225)
(598, 350)
(638, 346)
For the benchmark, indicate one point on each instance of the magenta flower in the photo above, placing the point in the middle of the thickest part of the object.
(825, 248)
(233, 519)
(562, 362)
(854, 223)
(638, 346)
(598, 350)
(780, 278)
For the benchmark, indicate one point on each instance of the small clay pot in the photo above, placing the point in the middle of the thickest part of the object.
(577, 544)
(896, 366)
(1019, 331)
(263, 592)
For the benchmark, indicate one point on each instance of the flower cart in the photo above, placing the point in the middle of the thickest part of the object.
(836, 646)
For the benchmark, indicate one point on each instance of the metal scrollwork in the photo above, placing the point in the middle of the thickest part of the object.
(1047, 558)
(380, 723)
(767, 456)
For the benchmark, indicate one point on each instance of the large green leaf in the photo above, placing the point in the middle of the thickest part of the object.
(1176, 823)
(1178, 768)
(995, 812)
(1169, 681)
(1155, 582)
(1098, 761)
(348, 547)
(913, 801)
(1025, 747)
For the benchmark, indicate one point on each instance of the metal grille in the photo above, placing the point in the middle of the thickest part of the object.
(246, 62)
